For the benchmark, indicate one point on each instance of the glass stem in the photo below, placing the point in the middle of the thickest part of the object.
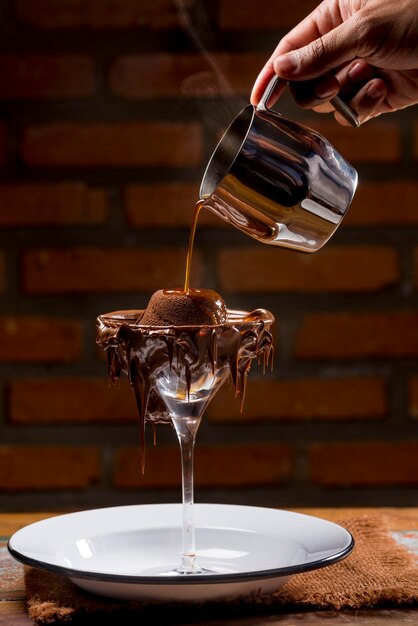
(186, 429)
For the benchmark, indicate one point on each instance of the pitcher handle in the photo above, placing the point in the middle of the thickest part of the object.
(268, 92)
(344, 110)
(338, 104)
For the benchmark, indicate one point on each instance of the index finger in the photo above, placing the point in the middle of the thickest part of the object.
(319, 22)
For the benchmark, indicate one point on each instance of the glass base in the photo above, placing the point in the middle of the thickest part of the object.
(178, 571)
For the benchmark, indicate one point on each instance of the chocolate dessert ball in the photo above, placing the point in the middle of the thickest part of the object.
(170, 307)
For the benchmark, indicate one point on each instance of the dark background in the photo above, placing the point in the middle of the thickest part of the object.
(109, 111)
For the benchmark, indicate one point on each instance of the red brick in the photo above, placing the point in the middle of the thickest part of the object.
(39, 339)
(383, 203)
(247, 15)
(413, 396)
(332, 269)
(244, 465)
(166, 205)
(415, 267)
(162, 467)
(302, 400)
(46, 76)
(61, 204)
(101, 14)
(358, 335)
(377, 141)
(70, 401)
(95, 270)
(151, 144)
(364, 464)
(173, 75)
(41, 468)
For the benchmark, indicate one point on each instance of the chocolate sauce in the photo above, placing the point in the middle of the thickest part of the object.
(143, 353)
(196, 214)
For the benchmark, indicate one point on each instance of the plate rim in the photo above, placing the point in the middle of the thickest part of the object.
(194, 579)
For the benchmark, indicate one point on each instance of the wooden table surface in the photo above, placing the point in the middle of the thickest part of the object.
(12, 602)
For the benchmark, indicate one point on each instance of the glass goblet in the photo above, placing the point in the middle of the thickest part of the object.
(175, 371)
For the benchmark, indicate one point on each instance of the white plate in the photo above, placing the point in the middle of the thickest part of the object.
(112, 551)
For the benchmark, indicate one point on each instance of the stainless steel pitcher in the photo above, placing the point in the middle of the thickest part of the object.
(278, 181)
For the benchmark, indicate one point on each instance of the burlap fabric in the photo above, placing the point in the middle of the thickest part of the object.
(378, 573)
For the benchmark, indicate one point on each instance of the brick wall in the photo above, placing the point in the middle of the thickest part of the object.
(109, 113)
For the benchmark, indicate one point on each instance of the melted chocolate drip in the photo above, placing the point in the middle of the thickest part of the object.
(142, 352)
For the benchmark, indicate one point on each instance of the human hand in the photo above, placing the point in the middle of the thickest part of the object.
(365, 51)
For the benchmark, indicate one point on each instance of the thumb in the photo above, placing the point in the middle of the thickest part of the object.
(338, 46)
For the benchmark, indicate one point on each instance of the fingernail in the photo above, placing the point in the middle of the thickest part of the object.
(325, 92)
(356, 71)
(286, 64)
(374, 91)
